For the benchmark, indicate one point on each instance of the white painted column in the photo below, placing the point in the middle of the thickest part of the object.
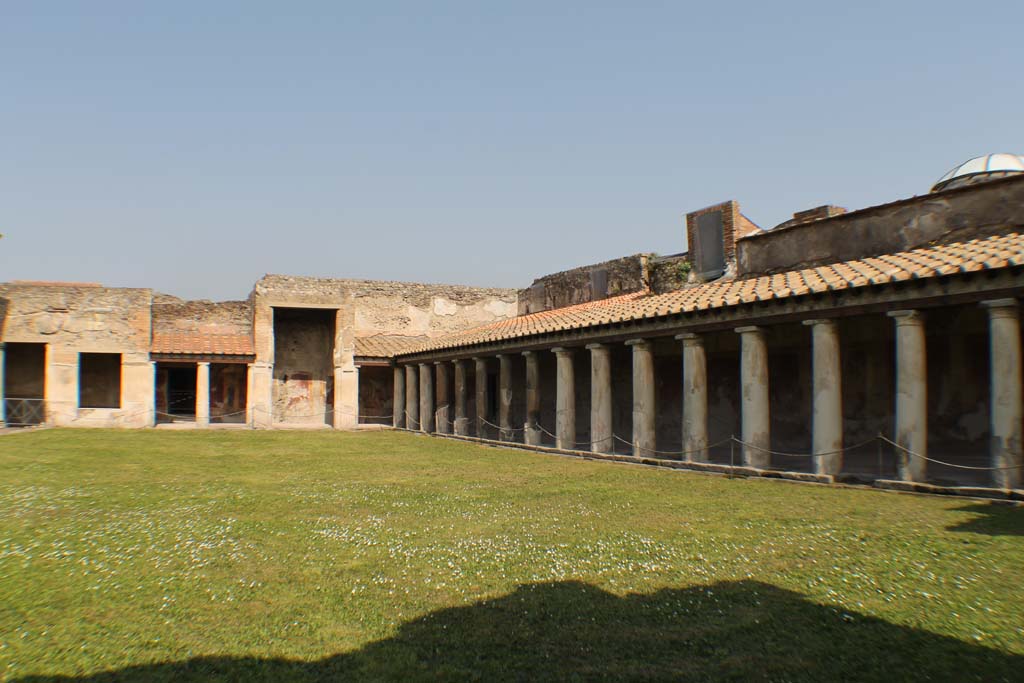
(412, 397)
(3, 401)
(461, 391)
(911, 395)
(531, 430)
(1005, 387)
(695, 398)
(482, 431)
(442, 421)
(398, 397)
(261, 400)
(644, 435)
(505, 397)
(202, 394)
(755, 399)
(601, 440)
(249, 419)
(827, 401)
(426, 398)
(565, 401)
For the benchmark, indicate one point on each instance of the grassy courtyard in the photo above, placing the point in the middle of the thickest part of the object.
(316, 555)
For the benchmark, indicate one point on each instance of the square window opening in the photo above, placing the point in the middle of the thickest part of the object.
(99, 380)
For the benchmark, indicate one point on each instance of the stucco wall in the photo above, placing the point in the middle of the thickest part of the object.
(364, 308)
(72, 319)
(948, 216)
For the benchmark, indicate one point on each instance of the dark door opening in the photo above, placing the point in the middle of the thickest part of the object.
(175, 391)
(24, 384)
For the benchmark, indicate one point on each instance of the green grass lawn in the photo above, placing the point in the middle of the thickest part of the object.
(160, 555)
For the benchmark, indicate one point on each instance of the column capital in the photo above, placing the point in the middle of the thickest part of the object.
(830, 322)
(907, 317)
(529, 354)
(1000, 304)
(690, 338)
(638, 342)
(749, 329)
(596, 347)
(561, 350)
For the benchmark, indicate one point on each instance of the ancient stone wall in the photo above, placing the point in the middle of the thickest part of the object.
(586, 283)
(669, 273)
(71, 319)
(365, 308)
(948, 216)
(171, 314)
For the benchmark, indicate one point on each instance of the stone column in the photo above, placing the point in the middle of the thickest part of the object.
(481, 398)
(695, 398)
(346, 372)
(442, 423)
(261, 400)
(3, 401)
(203, 394)
(398, 402)
(644, 435)
(755, 400)
(911, 395)
(505, 397)
(827, 406)
(601, 440)
(61, 385)
(249, 420)
(461, 421)
(412, 397)
(531, 430)
(565, 401)
(1005, 386)
(426, 398)
(345, 413)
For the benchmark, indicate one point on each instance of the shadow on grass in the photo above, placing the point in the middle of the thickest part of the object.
(993, 519)
(572, 631)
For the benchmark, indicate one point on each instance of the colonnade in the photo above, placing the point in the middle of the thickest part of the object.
(415, 389)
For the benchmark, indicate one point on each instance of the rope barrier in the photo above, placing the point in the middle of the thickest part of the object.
(947, 464)
(502, 429)
(804, 455)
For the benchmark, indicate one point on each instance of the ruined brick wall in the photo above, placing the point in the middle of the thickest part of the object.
(171, 314)
(669, 273)
(586, 283)
(952, 215)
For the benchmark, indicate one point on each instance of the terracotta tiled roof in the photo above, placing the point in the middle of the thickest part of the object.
(386, 345)
(200, 344)
(999, 251)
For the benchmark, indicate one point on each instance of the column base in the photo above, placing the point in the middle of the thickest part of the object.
(532, 435)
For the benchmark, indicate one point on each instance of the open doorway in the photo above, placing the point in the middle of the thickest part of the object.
(228, 393)
(175, 392)
(303, 389)
(24, 384)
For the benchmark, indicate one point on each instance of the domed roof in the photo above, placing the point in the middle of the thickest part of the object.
(981, 169)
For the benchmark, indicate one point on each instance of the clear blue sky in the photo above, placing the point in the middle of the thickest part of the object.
(194, 146)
